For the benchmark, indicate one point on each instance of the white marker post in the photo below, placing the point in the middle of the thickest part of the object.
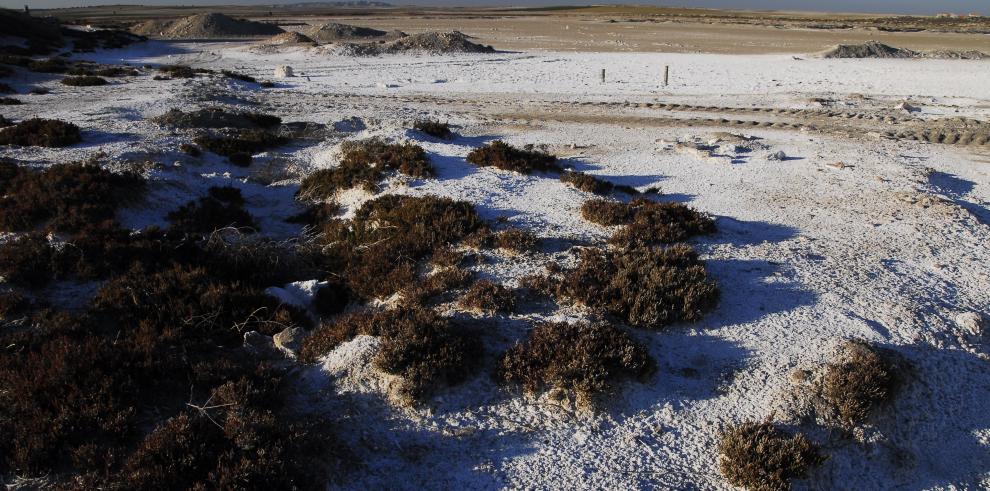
(603, 75)
(666, 74)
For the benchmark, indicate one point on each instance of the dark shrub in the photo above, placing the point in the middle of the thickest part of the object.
(503, 156)
(488, 297)
(6, 71)
(267, 84)
(84, 81)
(4, 122)
(331, 299)
(222, 208)
(182, 71)
(39, 90)
(592, 184)
(50, 65)
(439, 284)
(378, 250)
(425, 349)
(661, 223)
(588, 359)
(66, 197)
(606, 212)
(241, 142)
(190, 150)
(5, 88)
(645, 287)
(517, 240)
(116, 71)
(9, 101)
(240, 159)
(433, 128)
(41, 133)
(13, 304)
(364, 164)
(761, 457)
(238, 76)
(217, 117)
(863, 379)
(316, 214)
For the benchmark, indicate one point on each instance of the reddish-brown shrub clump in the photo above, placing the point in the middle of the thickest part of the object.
(240, 144)
(592, 184)
(646, 287)
(420, 346)
(217, 117)
(433, 128)
(41, 133)
(517, 240)
(377, 251)
(222, 208)
(503, 156)
(331, 299)
(588, 359)
(65, 197)
(761, 457)
(863, 379)
(364, 164)
(488, 297)
(84, 81)
(647, 222)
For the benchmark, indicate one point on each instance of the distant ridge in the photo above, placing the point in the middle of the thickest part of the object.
(360, 3)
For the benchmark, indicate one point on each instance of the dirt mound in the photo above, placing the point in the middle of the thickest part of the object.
(427, 42)
(333, 32)
(201, 26)
(869, 49)
(287, 38)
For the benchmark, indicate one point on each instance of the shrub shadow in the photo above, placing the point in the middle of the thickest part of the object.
(956, 189)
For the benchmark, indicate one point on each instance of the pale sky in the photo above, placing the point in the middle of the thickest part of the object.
(880, 6)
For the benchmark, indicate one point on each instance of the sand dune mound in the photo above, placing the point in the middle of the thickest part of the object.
(427, 42)
(204, 26)
(869, 49)
(333, 32)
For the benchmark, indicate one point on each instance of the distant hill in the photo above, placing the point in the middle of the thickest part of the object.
(310, 5)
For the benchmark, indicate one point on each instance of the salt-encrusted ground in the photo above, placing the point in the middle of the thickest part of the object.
(890, 246)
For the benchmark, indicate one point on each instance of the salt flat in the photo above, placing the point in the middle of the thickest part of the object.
(890, 246)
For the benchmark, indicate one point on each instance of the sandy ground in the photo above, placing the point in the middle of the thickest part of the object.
(890, 246)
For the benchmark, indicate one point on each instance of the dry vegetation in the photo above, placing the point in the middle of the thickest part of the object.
(503, 156)
(238, 76)
(84, 81)
(364, 164)
(592, 184)
(239, 146)
(426, 350)
(759, 456)
(182, 71)
(488, 297)
(378, 251)
(64, 198)
(587, 359)
(648, 222)
(645, 287)
(41, 133)
(217, 117)
(9, 101)
(862, 380)
(223, 207)
(433, 128)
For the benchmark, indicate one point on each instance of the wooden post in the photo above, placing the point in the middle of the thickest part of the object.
(603, 75)
(666, 74)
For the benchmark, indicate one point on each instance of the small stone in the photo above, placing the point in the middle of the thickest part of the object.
(289, 340)
(973, 324)
(777, 156)
(283, 71)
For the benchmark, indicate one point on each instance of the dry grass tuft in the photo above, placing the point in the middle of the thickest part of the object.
(606, 212)
(433, 128)
(488, 297)
(182, 71)
(84, 81)
(41, 133)
(645, 287)
(592, 184)
(238, 76)
(50, 65)
(759, 456)
(503, 156)
(864, 379)
(588, 359)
